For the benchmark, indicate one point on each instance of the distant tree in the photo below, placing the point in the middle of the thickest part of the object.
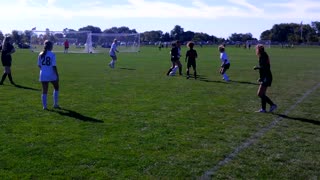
(187, 36)
(93, 29)
(265, 35)
(16, 36)
(1, 36)
(241, 37)
(151, 36)
(122, 29)
(177, 32)
(166, 37)
(316, 26)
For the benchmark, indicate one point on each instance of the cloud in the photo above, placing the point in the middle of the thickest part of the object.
(197, 9)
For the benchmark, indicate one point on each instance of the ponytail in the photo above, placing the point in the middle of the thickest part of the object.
(47, 47)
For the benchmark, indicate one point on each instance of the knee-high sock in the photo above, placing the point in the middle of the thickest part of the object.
(44, 100)
(55, 98)
(264, 100)
(3, 77)
(10, 78)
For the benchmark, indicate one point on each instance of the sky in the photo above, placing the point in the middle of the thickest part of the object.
(220, 18)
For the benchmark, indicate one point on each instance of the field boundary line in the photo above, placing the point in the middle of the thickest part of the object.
(255, 137)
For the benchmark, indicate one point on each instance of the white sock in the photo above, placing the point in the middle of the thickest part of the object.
(44, 100)
(55, 97)
(174, 70)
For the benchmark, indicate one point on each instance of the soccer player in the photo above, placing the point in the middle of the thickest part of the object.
(6, 59)
(179, 55)
(174, 58)
(265, 79)
(48, 73)
(225, 65)
(66, 46)
(112, 53)
(191, 56)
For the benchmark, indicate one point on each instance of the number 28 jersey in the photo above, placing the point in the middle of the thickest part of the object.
(46, 65)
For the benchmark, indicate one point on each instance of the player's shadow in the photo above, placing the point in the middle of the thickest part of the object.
(205, 79)
(129, 69)
(245, 82)
(312, 121)
(26, 88)
(76, 115)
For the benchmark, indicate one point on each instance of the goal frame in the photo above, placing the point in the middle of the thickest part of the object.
(80, 40)
(127, 42)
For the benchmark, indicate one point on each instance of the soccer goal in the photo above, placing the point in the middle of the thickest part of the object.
(266, 43)
(127, 42)
(79, 41)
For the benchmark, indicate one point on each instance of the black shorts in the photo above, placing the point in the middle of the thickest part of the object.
(191, 63)
(266, 82)
(6, 62)
(226, 66)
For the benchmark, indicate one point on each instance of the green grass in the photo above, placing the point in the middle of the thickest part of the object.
(134, 122)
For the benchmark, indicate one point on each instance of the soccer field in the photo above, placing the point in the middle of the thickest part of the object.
(134, 122)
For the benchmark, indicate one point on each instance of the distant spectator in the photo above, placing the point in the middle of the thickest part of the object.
(66, 46)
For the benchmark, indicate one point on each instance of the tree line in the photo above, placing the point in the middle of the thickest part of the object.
(282, 33)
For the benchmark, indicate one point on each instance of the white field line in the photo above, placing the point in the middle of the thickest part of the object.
(254, 138)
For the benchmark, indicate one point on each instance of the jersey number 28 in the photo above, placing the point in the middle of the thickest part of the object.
(46, 61)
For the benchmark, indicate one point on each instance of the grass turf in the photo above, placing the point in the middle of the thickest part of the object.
(135, 122)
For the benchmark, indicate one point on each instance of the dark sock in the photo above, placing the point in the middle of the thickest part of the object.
(180, 70)
(3, 77)
(169, 71)
(263, 102)
(268, 100)
(10, 78)
(195, 75)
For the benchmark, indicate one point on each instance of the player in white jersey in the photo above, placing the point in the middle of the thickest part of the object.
(225, 63)
(113, 54)
(48, 73)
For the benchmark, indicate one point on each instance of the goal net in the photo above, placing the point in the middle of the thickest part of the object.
(79, 41)
(101, 42)
(266, 43)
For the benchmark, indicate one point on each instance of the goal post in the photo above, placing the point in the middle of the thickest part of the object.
(79, 41)
(127, 42)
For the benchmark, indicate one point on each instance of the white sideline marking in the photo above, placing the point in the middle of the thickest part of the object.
(254, 138)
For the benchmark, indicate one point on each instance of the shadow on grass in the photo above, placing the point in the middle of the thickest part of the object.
(25, 87)
(129, 69)
(205, 79)
(315, 122)
(76, 115)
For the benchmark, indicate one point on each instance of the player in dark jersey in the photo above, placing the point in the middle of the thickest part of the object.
(265, 79)
(191, 56)
(174, 58)
(6, 59)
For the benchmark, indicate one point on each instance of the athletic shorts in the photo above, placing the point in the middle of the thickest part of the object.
(226, 66)
(266, 82)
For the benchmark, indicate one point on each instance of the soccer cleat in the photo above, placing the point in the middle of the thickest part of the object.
(110, 65)
(261, 111)
(45, 109)
(56, 107)
(273, 107)
(188, 77)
